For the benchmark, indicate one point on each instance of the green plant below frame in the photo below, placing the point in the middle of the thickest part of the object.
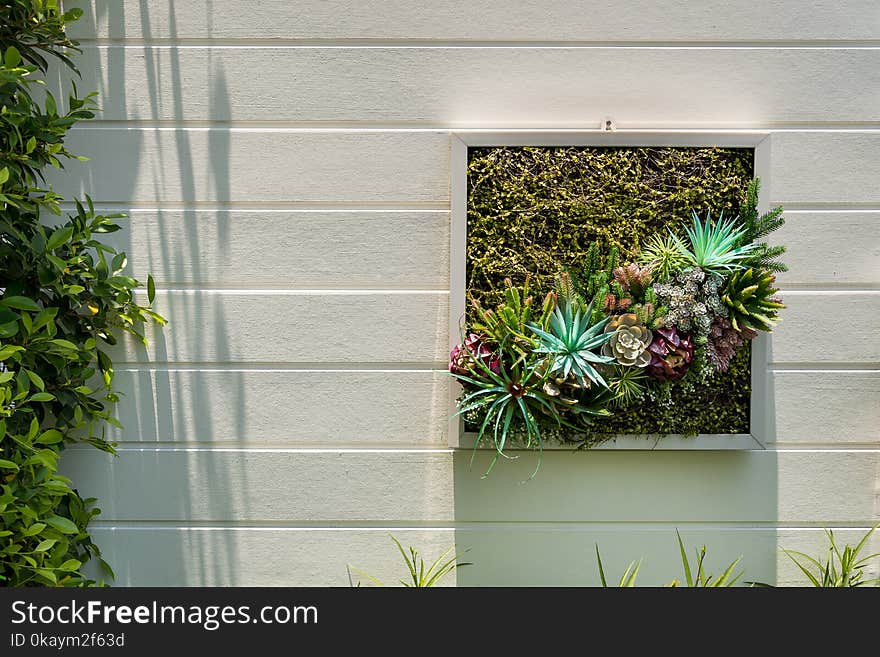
(421, 574)
(842, 568)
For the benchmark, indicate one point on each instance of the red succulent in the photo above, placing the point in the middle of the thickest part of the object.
(671, 354)
(463, 356)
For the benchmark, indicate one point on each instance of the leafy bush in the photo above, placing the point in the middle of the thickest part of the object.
(64, 295)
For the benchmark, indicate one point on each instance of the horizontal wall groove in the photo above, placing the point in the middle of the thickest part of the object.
(825, 289)
(831, 287)
(465, 126)
(283, 288)
(257, 43)
(160, 366)
(281, 291)
(262, 208)
(214, 448)
(397, 525)
(283, 445)
(816, 368)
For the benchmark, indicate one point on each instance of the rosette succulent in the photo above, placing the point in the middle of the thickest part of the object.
(629, 342)
(722, 343)
(463, 356)
(671, 354)
(692, 299)
(570, 341)
(749, 298)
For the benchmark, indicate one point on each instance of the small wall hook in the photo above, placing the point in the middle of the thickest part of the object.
(608, 125)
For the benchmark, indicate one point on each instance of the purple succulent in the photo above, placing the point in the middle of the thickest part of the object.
(462, 356)
(723, 343)
(671, 354)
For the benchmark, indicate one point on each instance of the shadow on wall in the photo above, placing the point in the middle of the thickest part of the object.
(197, 487)
(543, 532)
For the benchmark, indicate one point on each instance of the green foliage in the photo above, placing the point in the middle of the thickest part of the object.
(36, 28)
(63, 296)
(508, 324)
(713, 247)
(749, 296)
(538, 210)
(514, 393)
(421, 574)
(627, 580)
(695, 574)
(755, 226)
(628, 383)
(662, 255)
(570, 342)
(841, 568)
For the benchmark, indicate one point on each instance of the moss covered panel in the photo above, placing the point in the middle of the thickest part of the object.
(536, 210)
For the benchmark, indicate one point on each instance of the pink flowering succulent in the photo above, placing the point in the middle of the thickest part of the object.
(462, 357)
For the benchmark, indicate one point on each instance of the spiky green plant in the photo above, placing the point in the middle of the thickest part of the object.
(570, 342)
(508, 324)
(749, 298)
(662, 255)
(755, 226)
(713, 246)
(421, 574)
(628, 384)
(842, 568)
(696, 576)
(627, 580)
(515, 392)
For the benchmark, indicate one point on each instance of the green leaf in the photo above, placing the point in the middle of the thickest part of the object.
(34, 529)
(50, 437)
(12, 58)
(42, 397)
(70, 565)
(20, 303)
(151, 288)
(64, 525)
(4, 175)
(46, 545)
(36, 379)
(8, 465)
(59, 237)
(48, 574)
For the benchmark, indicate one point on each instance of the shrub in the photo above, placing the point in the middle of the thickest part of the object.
(63, 295)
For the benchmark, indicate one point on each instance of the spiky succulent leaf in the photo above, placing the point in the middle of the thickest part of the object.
(713, 246)
(662, 255)
(749, 296)
(569, 343)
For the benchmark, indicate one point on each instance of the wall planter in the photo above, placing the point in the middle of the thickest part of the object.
(588, 309)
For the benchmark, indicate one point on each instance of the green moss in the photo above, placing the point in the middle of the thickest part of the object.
(535, 211)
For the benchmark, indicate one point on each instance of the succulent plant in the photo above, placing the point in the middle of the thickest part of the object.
(671, 354)
(629, 341)
(628, 384)
(723, 341)
(749, 298)
(662, 255)
(633, 279)
(692, 301)
(570, 342)
(506, 325)
(713, 247)
(463, 356)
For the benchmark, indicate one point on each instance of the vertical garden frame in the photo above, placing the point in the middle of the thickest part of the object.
(761, 403)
